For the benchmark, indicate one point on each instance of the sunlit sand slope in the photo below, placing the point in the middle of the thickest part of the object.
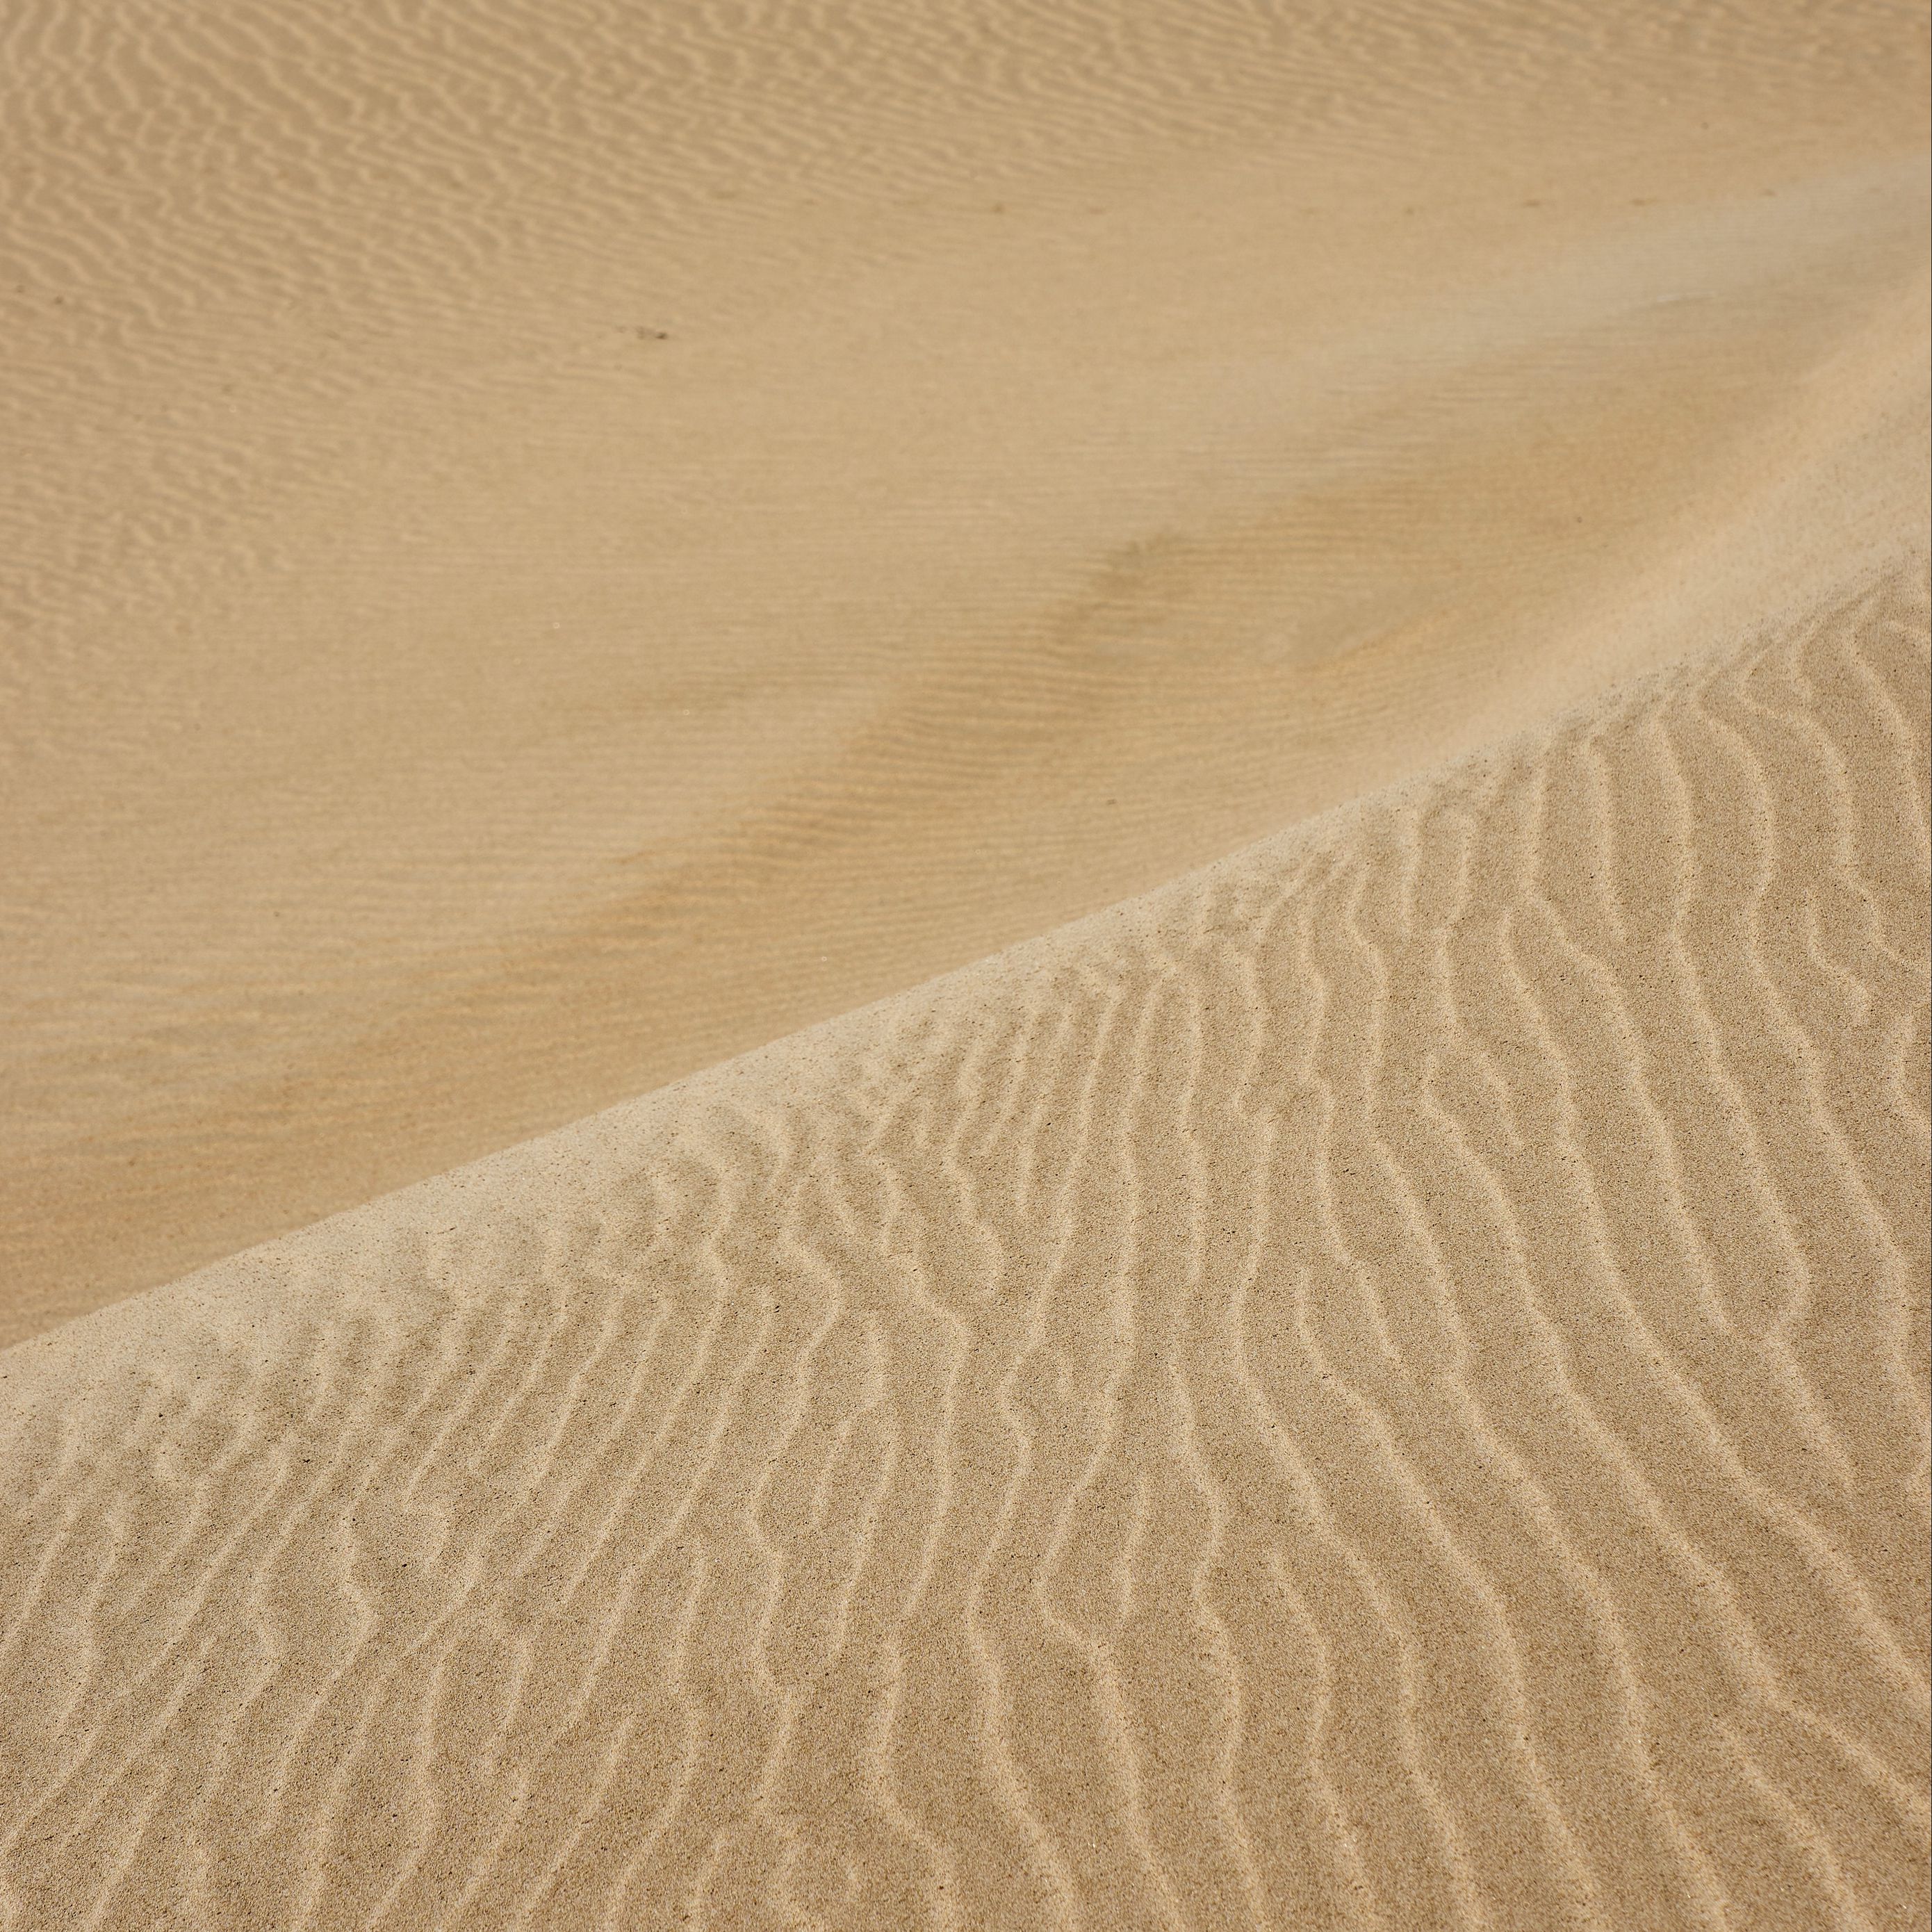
(1380, 1384)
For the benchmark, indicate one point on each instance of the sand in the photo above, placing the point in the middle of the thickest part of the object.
(1352, 580)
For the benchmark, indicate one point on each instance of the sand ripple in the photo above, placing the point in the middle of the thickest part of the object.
(1380, 1384)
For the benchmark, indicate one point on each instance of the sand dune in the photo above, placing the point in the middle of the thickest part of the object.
(549, 546)
(965, 964)
(1381, 1384)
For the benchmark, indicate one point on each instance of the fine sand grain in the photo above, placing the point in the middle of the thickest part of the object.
(1382, 1384)
(965, 964)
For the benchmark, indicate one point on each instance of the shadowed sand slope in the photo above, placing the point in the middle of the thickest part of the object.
(1380, 1384)
(547, 544)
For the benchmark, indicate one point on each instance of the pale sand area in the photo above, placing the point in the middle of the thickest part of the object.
(1360, 571)
(548, 547)
(1379, 1384)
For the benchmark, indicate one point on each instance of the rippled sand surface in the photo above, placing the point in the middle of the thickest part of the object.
(1352, 579)
(1381, 1383)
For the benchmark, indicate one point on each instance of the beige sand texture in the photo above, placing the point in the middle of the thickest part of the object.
(965, 965)
(1382, 1384)
(545, 546)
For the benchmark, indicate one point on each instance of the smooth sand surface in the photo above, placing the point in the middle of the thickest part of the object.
(1352, 578)
(547, 546)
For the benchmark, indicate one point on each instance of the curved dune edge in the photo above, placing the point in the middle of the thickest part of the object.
(1381, 1384)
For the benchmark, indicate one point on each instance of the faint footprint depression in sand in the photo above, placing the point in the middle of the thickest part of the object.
(964, 965)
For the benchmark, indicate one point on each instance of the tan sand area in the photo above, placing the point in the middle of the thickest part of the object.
(965, 966)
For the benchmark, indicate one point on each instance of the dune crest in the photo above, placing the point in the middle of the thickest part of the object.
(1381, 1384)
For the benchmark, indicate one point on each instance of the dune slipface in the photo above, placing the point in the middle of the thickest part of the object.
(1383, 1383)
